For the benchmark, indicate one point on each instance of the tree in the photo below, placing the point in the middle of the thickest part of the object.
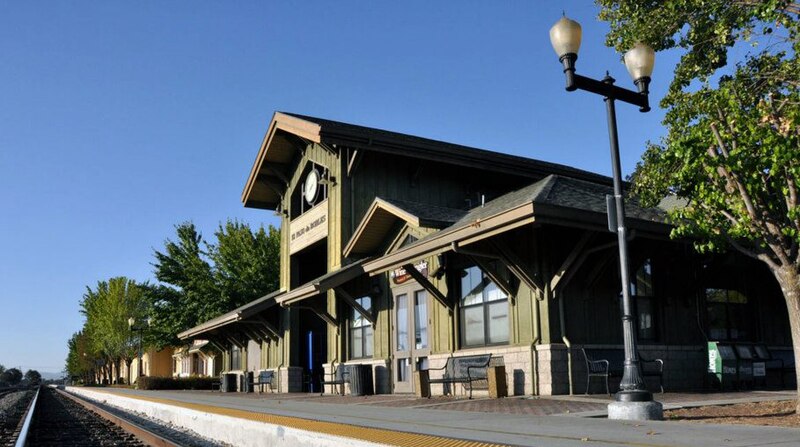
(184, 265)
(81, 359)
(732, 151)
(246, 263)
(107, 309)
(11, 376)
(33, 377)
(210, 279)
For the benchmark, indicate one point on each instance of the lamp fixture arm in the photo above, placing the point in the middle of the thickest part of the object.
(607, 88)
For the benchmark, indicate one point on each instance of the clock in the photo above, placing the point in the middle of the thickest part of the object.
(311, 187)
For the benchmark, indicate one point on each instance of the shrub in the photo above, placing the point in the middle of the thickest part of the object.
(175, 383)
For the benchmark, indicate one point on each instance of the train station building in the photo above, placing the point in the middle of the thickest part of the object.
(398, 252)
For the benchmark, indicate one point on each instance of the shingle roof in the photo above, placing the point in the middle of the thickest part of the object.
(369, 137)
(562, 192)
(433, 215)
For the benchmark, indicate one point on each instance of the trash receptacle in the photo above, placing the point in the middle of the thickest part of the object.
(722, 365)
(228, 383)
(746, 357)
(497, 381)
(360, 380)
(248, 382)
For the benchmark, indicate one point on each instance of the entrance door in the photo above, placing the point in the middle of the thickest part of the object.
(410, 336)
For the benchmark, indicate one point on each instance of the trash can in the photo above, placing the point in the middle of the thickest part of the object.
(228, 383)
(248, 382)
(497, 381)
(745, 365)
(722, 365)
(360, 380)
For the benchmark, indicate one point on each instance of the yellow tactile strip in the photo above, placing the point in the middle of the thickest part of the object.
(376, 435)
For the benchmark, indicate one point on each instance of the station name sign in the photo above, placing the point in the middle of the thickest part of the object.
(399, 276)
(309, 227)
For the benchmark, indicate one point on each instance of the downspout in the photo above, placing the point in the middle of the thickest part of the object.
(565, 340)
(537, 337)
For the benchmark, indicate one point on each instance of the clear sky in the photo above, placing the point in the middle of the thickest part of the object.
(119, 120)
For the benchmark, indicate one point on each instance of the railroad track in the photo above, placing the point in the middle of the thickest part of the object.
(56, 418)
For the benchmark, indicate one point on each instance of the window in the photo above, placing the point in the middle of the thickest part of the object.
(361, 331)
(484, 310)
(236, 358)
(729, 315)
(642, 290)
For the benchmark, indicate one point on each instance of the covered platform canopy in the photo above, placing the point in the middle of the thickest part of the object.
(247, 320)
(554, 200)
(301, 296)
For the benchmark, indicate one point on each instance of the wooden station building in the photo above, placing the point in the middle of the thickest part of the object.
(398, 252)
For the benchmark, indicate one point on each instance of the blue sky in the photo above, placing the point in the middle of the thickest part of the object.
(120, 120)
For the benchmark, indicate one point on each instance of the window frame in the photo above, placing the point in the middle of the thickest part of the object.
(367, 349)
(485, 305)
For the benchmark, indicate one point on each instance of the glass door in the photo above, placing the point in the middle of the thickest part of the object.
(410, 336)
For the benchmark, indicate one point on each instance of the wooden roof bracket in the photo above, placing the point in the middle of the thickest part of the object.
(517, 267)
(324, 315)
(566, 266)
(427, 285)
(269, 327)
(368, 315)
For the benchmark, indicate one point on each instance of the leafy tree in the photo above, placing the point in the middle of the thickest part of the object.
(210, 279)
(246, 263)
(33, 377)
(184, 264)
(732, 152)
(81, 359)
(107, 309)
(11, 376)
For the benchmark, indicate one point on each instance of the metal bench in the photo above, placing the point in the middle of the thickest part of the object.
(265, 378)
(610, 362)
(464, 370)
(339, 376)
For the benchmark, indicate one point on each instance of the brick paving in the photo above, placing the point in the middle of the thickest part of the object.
(592, 404)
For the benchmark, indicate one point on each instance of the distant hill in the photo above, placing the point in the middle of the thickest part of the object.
(51, 376)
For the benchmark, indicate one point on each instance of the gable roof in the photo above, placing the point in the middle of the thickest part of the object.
(288, 133)
(384, 214)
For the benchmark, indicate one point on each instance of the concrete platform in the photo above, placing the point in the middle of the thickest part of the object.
(311, 420)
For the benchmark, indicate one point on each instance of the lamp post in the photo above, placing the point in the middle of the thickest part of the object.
(140, 329)
(633, 401)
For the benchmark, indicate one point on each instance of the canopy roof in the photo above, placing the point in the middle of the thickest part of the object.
(240, 313)
(554, 199)
(323, 283)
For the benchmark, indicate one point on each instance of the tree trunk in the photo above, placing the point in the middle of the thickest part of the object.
(789, 280)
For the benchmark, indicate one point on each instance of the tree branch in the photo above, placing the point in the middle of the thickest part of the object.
(748, 201)
(760, 256)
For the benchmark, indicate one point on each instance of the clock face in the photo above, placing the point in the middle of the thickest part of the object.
(311, 186)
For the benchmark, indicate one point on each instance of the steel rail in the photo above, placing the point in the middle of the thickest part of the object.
(26, 424)
(141, 433)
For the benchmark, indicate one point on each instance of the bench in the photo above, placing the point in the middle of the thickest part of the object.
(339, 376)
(464, 370)
(265, 378)
(610, 362)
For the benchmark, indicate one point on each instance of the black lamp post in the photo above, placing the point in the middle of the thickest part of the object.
(565, 37)
(140, 329)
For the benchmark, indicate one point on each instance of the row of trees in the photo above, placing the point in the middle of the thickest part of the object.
(197, 280)
(13, 376)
